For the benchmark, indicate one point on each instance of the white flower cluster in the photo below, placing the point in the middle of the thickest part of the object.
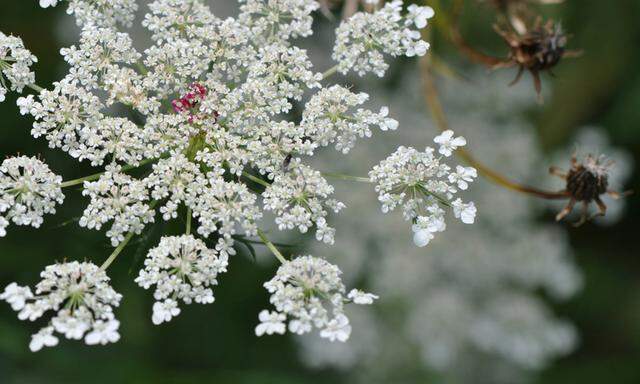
(210, 104)
(364, 38)
(80, 296)
(28, 191)
(422, 184)
(99, 12)
(15, 65)
(278, 19)
(308, 292)
(328, 118)
(118, 197)
(181, 268)
(299, 198)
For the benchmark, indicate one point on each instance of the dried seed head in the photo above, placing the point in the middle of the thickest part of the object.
(536, 49)
(540, 48)
(589, 179)
(586, 182)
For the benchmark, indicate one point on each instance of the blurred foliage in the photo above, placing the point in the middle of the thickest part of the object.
(215, 343)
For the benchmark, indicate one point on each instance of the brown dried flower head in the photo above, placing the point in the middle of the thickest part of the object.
(539, 49)
(586, 182)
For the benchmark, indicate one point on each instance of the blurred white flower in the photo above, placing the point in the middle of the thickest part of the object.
(439, 300)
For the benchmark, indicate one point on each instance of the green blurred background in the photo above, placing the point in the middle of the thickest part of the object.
(216, 343)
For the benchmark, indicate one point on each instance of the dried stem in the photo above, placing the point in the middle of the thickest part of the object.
(433, 103)
(452, 31)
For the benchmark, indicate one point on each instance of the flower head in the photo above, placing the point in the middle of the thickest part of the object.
(209, 106)
(586, 182)
(308, 292)
(28, 191)
(81, 298)
(118, 197)
(15, 63)
(421, 183)
(364, 39)
(331, 116)
(181, 268)
(300, 199)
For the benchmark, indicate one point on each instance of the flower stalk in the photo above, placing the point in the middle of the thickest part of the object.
(117, 251)
(341, 176)
(271, 247)
(96, 176)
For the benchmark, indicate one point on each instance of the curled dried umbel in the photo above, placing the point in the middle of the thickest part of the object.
(519, 13)
(586, 182)
(534, 46)
(539, 49)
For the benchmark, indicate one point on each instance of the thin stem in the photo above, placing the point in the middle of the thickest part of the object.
(141, 68)
(433, 103)
(271, 247)
(189, 216)
(122, 245)
(35, 87)
(96, 176)
(255, 179)
(346, 177)
(117, 251)
(330, 72)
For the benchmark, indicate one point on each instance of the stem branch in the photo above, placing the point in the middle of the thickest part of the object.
(122, 245)
(117, 251)
(255, 179)
(96, 176)
(330, 72)
(271, 247)
(346, 177)
(35, 87)
(189, 215)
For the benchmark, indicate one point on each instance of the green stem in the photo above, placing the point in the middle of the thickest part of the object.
(96, 176)
(35, 87)
(330, 72)
(271, 247)
(189, 215)
(346, 177)
(122, 245)
(117, 251)
(255, 179)
(141, 68)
